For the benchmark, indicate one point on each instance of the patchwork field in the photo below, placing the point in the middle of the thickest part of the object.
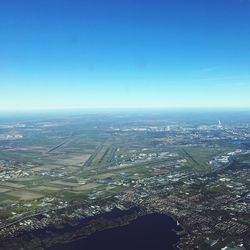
(104, 176)
(25, 195)
(26, 179)
(12, 185)
(75, 159)
(3, 190)
(87, 186)
(45, 168)
(64, 183)
(46, 188)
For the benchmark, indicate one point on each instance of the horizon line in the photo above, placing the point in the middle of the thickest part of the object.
(65, 109)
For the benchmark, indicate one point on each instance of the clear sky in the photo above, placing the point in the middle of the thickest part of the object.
(124, 53)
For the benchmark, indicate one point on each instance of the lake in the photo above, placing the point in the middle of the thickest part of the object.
(154, 231)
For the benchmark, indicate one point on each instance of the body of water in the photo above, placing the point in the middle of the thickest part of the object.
(148, 232)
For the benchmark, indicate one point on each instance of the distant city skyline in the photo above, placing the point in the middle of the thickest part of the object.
(63, 54)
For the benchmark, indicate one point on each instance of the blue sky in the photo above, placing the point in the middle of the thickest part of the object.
(57, 54)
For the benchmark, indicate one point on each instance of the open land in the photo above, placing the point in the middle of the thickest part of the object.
(191, 166)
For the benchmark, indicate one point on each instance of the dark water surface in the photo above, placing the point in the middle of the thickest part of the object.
(148, 232)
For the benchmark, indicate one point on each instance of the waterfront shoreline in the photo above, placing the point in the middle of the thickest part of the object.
(115, 220)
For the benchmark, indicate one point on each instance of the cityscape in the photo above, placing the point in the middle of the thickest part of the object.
(68, 169)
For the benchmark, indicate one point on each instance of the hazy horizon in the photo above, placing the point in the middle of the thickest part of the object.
(125, 110)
